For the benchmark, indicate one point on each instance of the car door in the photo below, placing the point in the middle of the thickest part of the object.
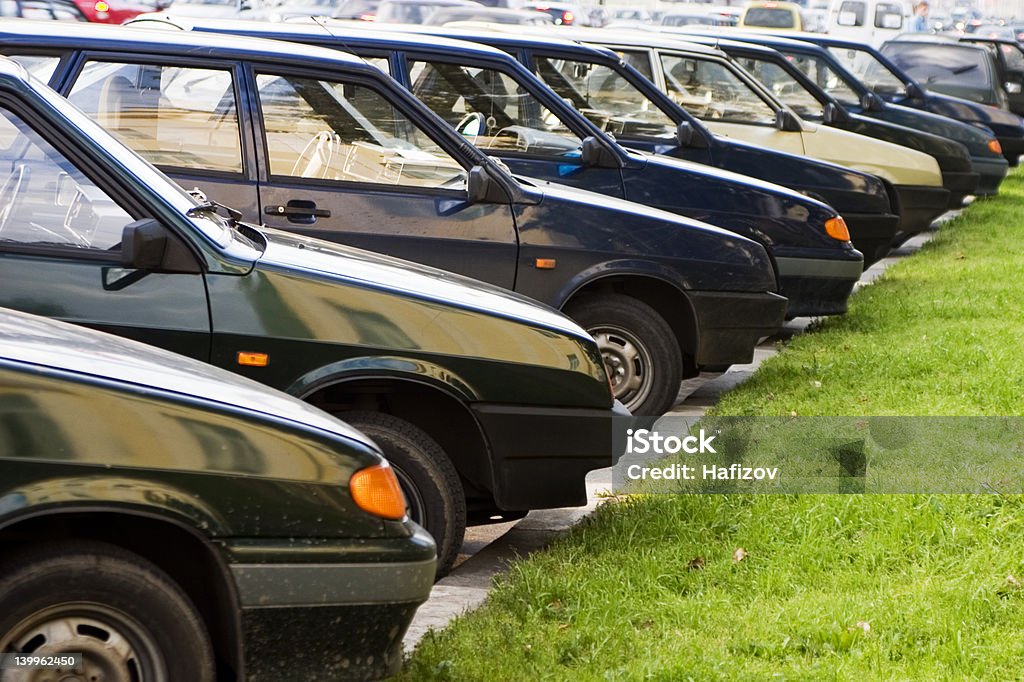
(180, 115)
(60, 241)
(505, 117)
(342, 161)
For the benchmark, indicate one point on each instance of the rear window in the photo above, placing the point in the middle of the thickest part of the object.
(888, 15)
(851, 13)
(936, 66)
(769, 17)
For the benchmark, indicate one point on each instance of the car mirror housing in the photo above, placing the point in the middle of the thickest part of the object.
(687, 135)
(147, 245)
(915, 91)
(594, 154)
(786, 120)
(834, 113)
(871, 102)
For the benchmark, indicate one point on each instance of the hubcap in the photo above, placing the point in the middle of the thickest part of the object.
(114, 647)
(628, 363)
(415, 508)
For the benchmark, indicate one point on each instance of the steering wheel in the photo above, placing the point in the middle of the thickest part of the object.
(10, 193)
(467, 122)
(316, 156)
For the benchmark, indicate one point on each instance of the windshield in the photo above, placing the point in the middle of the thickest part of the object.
(825, 77)
(710, 90)
(784, 86)
(954, 70)
(872, 72)
(492, 109)
(605, 97)
(769, 17)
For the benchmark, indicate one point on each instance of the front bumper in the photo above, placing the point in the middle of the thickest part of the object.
(730, 324)
(872, 233)
(540, 456)
(323, 615)
(817, 286)
(960, 185)
(992, 171)
(919, 206)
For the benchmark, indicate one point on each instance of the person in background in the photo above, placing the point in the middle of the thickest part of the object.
(919, 24)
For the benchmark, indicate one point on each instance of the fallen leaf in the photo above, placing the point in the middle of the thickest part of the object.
(816, 384)
(739, 555)
(792, 413)
(696, 563)
(563, 626)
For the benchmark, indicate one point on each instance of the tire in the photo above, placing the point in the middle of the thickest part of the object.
(640, 350)
(82, 597)
(432, 487)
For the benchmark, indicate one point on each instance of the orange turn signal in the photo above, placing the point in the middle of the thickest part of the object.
(375, 490)
(253, 359)
(994, 146)
(836, 228)
(545, 263)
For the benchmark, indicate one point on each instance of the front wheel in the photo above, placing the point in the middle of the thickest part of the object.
(640, 351)
(433, 491)
(128, 619)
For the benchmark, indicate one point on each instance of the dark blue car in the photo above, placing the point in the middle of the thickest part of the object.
(318, 142)
(619, 99)
(500, 106)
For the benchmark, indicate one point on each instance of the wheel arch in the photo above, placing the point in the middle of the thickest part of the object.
(187, 556)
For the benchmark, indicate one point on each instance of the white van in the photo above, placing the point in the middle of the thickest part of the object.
(869, 21)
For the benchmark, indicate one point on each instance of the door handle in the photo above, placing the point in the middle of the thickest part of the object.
(299, 211)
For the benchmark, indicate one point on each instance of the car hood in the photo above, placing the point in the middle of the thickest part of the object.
(45, 343)
(346, 263)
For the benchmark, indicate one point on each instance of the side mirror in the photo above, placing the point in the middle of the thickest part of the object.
(147, 245)
(915, 91)
(786, 120)
(594, 154)
(478, 184)
(871, 102)
(834, 113)
(688, 135)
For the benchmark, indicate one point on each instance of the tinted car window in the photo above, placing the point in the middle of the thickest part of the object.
(46, 201)
(491, 109)
(323, 130)
(941, 66)
(40, 66)
(869, 70)
(821, 73)
(784, 86)
(604, 96)
(709, 90)
(1014, 57)
(768, 17)
(175, 116)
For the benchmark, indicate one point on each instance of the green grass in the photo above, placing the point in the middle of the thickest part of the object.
(648, 588)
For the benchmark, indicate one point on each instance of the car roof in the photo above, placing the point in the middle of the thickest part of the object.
(639, 38)
(760, 37)
(322, 28)
(724, 44)
(517, 35)
(145, 40)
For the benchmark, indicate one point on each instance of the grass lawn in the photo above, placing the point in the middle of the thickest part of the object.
(671, 587)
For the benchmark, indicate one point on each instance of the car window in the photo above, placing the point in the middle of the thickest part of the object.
(869, 70)
(825, 77)
(769, 17)
(177, 116)
(40, 66)
(491, 109)
(1014, 57)
(938, 66)
(46, 201)
(851, 13)
(322, 130)
(605, 97)
(889, 15)
(710, 90)
(641, 61)
(785, 87)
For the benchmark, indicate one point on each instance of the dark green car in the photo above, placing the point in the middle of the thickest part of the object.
(167, 520)
(486, 403)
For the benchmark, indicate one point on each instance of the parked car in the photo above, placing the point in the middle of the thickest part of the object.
(871, 22)
(562, 14)
(487, 15)
(795, 89)
(870, 76)
(484, 402)
(416, 11)
(44, 10)
(732, 102)
(146, 496)
(336, 170)
(776, 15)
(618, 98)
(950, 67)
(1009, 60)
(113, 11)
(496, 103)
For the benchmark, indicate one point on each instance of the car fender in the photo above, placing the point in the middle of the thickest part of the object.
(383, 367)
(621, 267)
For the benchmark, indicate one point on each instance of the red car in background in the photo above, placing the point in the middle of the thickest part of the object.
(113, 11)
